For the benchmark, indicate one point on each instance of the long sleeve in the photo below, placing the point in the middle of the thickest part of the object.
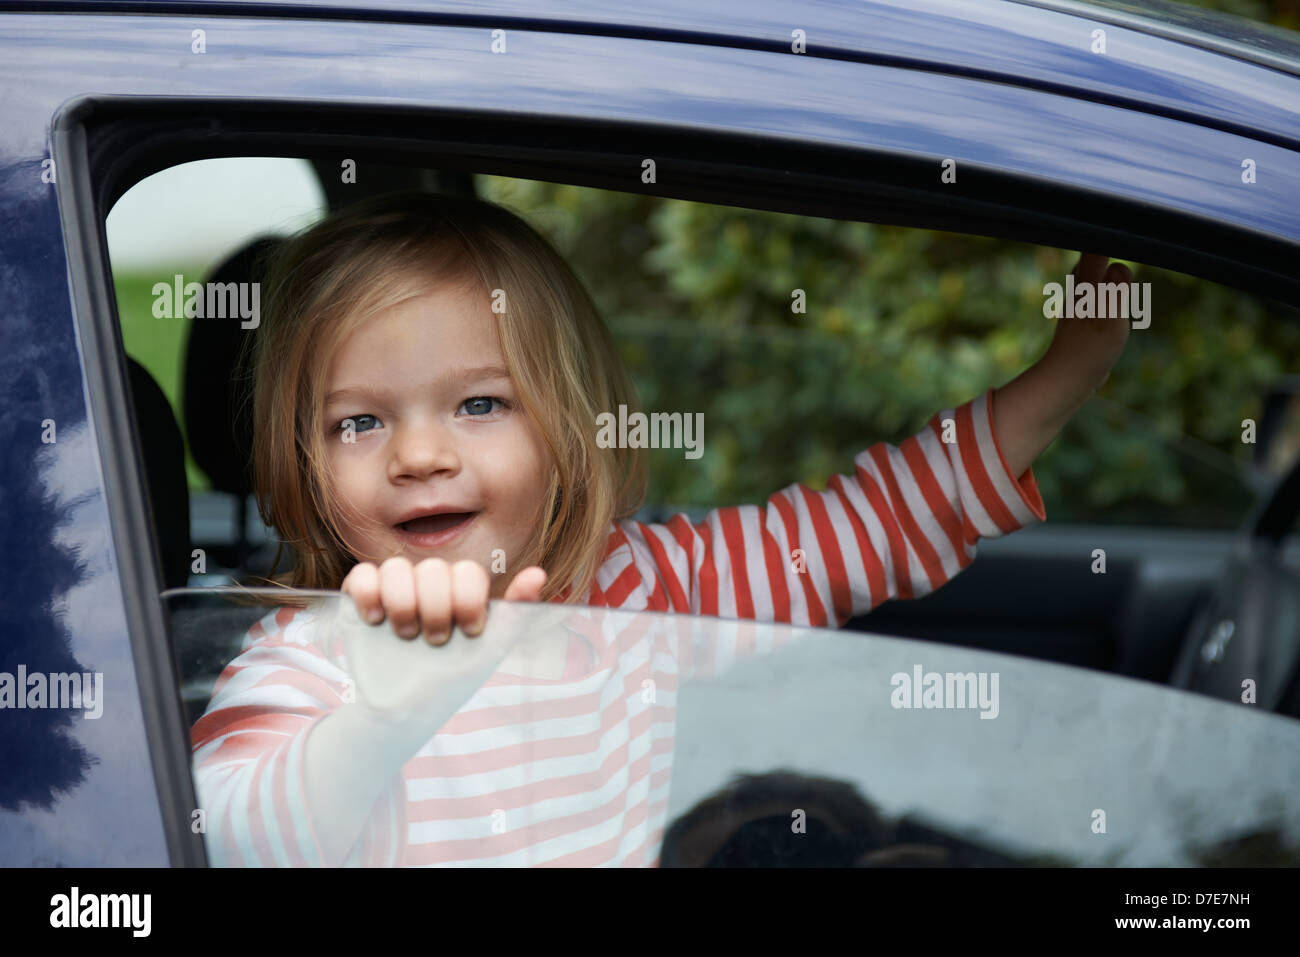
(249, 747)
(904, 523)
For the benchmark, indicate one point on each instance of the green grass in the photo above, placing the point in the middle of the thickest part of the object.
(158, 344)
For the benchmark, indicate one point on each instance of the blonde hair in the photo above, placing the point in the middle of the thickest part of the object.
(326, 282)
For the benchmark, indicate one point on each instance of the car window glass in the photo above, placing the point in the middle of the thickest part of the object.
(737, 744)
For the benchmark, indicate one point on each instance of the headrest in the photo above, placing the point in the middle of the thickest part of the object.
(217, 382)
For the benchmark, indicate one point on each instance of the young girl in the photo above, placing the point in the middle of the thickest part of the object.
(427, 384)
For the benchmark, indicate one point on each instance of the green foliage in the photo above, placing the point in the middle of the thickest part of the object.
(901, 323)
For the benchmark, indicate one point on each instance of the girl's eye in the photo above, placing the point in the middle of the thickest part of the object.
(360, 423)
(480, 405)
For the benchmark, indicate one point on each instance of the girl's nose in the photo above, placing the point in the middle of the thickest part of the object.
(420, 451)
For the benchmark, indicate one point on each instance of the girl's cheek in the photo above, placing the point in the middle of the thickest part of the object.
(541, 455)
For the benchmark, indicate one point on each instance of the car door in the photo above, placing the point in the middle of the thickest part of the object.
(858, 123)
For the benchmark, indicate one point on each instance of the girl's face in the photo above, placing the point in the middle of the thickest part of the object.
(439, 460)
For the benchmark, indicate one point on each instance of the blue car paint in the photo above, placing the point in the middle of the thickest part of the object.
(993, 85)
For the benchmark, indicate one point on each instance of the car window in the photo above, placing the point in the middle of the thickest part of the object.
(704, 742)
(798, 344)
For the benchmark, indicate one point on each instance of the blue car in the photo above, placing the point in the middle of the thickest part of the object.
(1166, 137)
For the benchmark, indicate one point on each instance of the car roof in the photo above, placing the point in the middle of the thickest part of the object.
(852, 23)
(1234, 36)
(1165, 58)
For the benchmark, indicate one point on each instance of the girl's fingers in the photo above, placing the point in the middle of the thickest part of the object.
(1090, 267)
(362, 584)
(433, 592)
(1118, 272)
(527, 585)
(432, 596)
(1094, 267)
(469, 596)
(397, 591)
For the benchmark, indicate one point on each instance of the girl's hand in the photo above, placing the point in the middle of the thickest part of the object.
(432, 596)
(1032, 408)
(1083, 351)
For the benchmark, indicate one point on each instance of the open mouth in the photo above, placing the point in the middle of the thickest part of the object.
(430, 530)
(432, 524)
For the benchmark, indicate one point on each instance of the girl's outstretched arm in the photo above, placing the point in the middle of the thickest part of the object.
(900, 525)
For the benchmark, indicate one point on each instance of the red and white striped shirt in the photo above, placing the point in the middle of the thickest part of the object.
(575, 771)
